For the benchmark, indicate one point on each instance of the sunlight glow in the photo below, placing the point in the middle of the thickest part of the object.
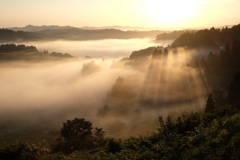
(171, 12)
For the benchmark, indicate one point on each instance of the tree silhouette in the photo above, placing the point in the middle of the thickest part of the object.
(210, 104)
(75, 135)
(99, 137)
(157, 52)
(235, 48)
(227, 48)
(234, 91)
(113, 146)
(76, 129)
(165, 50)
(99, 133)
(218, 98)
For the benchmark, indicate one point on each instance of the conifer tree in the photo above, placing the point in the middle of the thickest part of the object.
(210, 104)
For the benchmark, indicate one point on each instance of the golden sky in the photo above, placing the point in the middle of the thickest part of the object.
(145, 13)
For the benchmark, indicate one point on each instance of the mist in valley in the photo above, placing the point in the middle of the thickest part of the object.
(124, 99)
(108, 48)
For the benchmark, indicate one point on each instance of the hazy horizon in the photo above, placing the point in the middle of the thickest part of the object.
(143, 13)
(125, 27)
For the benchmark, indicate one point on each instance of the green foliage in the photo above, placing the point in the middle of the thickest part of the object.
(218, 98)
(183, 124)
(225, 110)
(22, 151)
(113, 146)
(76, 129)
(236, 145)
(196, 136)
(234, 91)
(99, 139)
(99, 133)
(210, 104)
(190, 136)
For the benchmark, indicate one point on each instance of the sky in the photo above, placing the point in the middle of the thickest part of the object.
(136, 13)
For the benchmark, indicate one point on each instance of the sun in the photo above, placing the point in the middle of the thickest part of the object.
(170, 12)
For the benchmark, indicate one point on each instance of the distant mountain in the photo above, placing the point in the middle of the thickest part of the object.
(80, 34)
(73, 34)
(123, 28)
(32, 28)
(129, 28)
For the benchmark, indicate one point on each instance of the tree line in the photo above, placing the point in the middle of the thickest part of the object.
(23, 52)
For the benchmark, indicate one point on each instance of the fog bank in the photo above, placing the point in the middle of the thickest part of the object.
(113, 48)
(36, 98)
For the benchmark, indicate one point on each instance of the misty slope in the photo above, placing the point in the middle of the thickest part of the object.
(9, 52)
(218, 52)
(211, 39)
(186, 72)
(202, 41)
(171, 79)
(171, 35)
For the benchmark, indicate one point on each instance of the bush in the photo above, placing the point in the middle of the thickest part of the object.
(22, 151)
(113, 146)
(77, 135)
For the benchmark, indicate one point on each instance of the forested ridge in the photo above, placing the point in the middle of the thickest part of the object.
(10, 52)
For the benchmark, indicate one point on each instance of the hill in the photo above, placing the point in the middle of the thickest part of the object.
(170, 35)
(209, 38)
(9, 52)
(32, 28)
(70, 33)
